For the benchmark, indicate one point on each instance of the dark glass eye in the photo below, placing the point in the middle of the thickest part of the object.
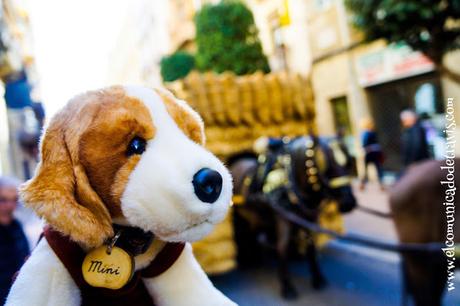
(136, 146)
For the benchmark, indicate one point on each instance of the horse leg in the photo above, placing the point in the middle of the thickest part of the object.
(245, 236)
(283, 233)
(318, 280)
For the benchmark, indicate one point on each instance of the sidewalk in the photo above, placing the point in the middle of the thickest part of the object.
(365, 223)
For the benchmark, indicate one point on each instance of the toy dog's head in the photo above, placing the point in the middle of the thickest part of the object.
(130, 155)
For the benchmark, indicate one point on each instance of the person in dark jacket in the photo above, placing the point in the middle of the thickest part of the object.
(414, 145)
(372, 151)
(14, 247)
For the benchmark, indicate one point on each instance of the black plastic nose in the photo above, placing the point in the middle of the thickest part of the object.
(207, 184)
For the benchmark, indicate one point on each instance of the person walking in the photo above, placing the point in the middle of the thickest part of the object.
(14, 247)
(372, 152)
(414, 144)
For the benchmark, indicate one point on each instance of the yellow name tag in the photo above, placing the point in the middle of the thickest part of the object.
(111, 271)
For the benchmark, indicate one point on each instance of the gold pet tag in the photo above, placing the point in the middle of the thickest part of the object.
(108, 267)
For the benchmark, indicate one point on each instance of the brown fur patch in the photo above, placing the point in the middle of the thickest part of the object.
(120, 181)
(103, 146)
(183, 118)
(84, 167)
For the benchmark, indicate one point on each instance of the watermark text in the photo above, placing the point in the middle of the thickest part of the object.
(448, 182)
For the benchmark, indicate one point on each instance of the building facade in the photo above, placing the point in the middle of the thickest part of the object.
(352, 80)
(142, 41)
(283, 31)
(152, 29)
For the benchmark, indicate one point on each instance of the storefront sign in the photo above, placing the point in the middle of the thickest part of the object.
(396, 61)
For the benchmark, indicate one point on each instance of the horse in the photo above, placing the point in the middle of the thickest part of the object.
(421, 208)
(297, 174)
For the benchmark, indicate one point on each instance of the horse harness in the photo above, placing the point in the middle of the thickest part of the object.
(275, 170)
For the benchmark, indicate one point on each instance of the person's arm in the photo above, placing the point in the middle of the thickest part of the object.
(185, 284)
(43, 280)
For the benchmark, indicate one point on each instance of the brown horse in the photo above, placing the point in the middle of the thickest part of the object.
(422, 211)
(296, 174)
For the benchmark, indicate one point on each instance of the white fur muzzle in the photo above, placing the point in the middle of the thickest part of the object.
(159, 195)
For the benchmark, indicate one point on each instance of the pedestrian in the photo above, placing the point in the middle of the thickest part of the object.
(14, 247)
(414, 144)
(372, 152)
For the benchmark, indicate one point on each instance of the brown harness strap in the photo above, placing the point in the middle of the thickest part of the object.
(72, 256)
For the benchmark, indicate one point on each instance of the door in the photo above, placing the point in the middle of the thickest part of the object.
(421, 93)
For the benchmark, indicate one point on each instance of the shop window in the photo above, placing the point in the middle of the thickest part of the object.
(342, 121)
(425, 99)
(341, 117)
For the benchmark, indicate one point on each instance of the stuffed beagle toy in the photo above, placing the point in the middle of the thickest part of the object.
(124, 185)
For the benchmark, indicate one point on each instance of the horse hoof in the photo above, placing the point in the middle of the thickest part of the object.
(319, 283)
(289, 293)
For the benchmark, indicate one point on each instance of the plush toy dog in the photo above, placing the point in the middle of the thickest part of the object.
(124, 183)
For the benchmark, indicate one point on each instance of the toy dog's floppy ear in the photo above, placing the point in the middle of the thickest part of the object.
(61, 194)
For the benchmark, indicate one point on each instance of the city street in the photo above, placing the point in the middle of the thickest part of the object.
(356, 275)
(147, 147)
